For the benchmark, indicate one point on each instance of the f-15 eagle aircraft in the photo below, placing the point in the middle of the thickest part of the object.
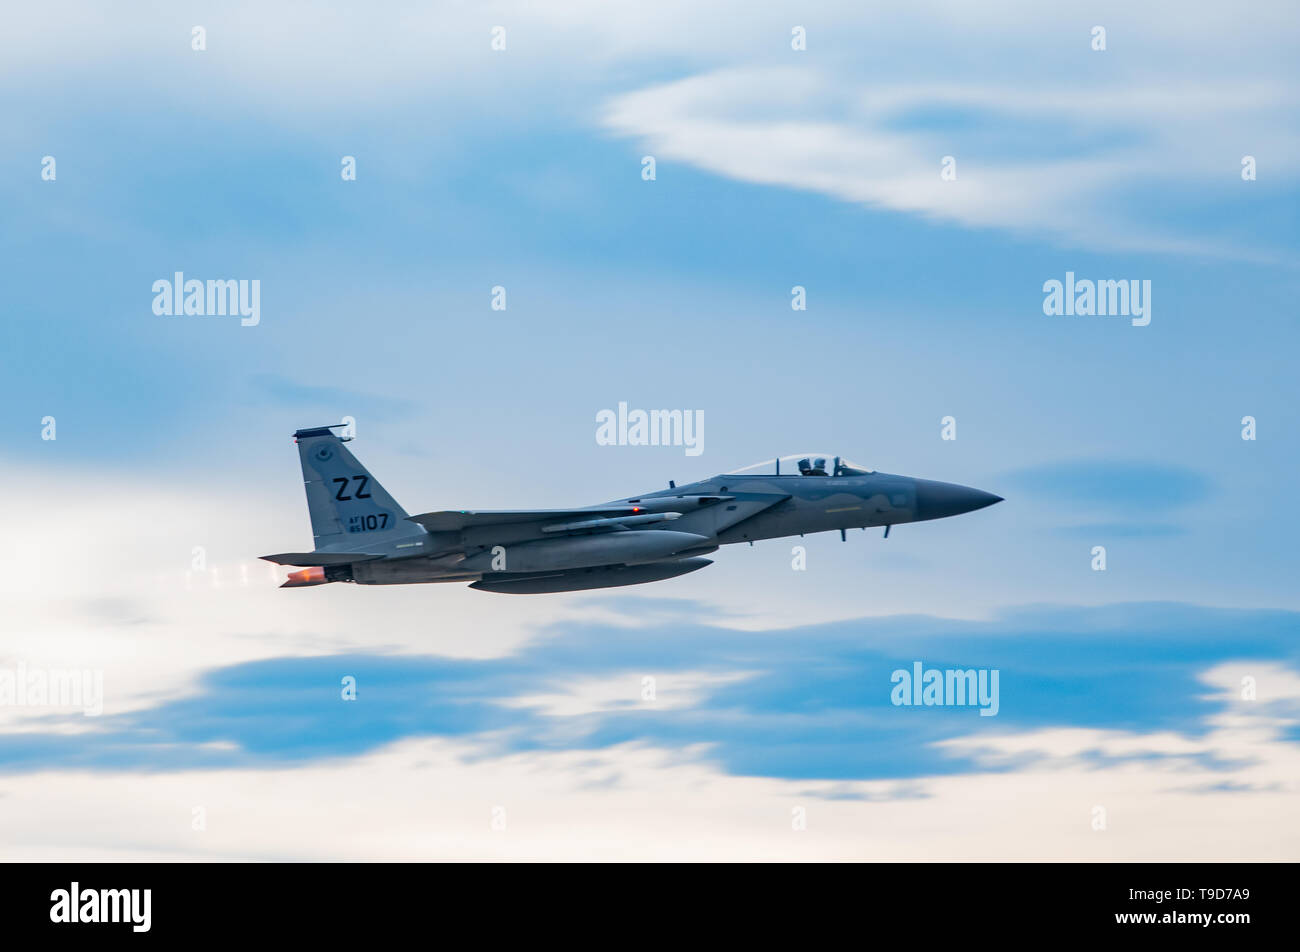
(362, 535)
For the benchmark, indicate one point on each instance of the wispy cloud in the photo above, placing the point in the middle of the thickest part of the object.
(1059, 160)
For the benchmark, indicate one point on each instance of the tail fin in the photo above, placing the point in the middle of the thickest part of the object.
(347, 504)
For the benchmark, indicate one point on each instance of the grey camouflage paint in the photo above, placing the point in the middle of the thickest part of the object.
(362, 535)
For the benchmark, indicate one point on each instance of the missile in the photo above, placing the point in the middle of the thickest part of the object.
(627, 546)
(607, 522)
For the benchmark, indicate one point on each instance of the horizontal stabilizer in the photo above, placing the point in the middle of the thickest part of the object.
(320, 558)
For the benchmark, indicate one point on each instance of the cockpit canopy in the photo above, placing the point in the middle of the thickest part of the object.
(804, 464)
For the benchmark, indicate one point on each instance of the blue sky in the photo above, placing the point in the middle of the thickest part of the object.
(775, 168)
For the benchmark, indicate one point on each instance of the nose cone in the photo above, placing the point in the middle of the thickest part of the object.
(939, 500)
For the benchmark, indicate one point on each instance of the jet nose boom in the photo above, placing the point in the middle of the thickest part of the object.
(935, 500)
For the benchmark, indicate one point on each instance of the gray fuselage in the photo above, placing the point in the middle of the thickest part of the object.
(362, 535)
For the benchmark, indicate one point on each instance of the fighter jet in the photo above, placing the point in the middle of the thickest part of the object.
(362, 535)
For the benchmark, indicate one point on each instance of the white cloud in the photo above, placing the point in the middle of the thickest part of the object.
(422, 800)
(672, 690)
(815, 130)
